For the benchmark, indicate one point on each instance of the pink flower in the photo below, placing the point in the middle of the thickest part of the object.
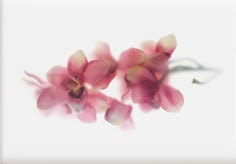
(75, 88)
(68, 87)
(143, 72)
(116, 112)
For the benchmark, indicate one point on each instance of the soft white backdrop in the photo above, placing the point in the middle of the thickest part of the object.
(39, 36)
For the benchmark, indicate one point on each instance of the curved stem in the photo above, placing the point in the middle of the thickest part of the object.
(184, 68)
(186, 59)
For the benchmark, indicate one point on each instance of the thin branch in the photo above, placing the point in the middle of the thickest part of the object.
(184, 68)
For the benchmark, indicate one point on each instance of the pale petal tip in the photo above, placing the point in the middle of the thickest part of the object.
(88, 115)
(167, 44)
(77, 62)
(118, 113)
(172, 99)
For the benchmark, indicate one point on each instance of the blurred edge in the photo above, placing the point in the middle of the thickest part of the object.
(123, 162)
(1, 71)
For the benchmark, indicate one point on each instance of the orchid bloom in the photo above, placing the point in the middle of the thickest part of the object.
(144, 75)
(68, 86)
(117, 112)
(144, 72)
(76, 88)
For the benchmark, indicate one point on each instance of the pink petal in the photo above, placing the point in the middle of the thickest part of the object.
(99, 73)
(128, 124)
(171, 99)
(154, 104)
(51, 97)
(146, 107)
(102, 52)
(157, 61)
(126, 95)
(118, 113)
(62, 111)
(87, 115)
(144, 92)
(77, 62)
(138, 74)
(78, 105)
(149, 46)
(98, 101)
(57, 75)
(166, 44)
(131, 57)
(65, 110)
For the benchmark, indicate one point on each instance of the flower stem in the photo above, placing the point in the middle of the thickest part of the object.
(185, 68)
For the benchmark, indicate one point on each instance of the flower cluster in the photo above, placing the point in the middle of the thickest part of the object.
(142, 72)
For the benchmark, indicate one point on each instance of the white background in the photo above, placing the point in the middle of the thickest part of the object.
(37, 36)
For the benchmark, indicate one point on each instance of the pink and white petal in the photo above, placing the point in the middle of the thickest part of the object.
(102, 52)
(144, 92)
(78, 105)
(171, 99)
(153, 105)
(157, 61)
(159, 73)
(57, 75)
(124, 89)
(137, 74)
(149, 46)
(167, 44)
(126, 95)
(156, 101)
(118, 113)
(88, 115)
(99, 73)
(131, 57)
(77, 62)
(65, 110)
(98, 101)
(105, 82)
(128, 124)
(146, 107)
(51, 97)
(62, 111)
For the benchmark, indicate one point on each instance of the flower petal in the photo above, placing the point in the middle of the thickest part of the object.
(157, 61)
(57, 75)
(144, 92)
(138, 74)
(77, 62)
(149, 46)
(87, 115)
(128, 124)
(98, 101)
(99, 73)
(131, 57)
(102, 52)
(77, 105)
(118, 113)
(62, 111)
(166, 44)
(171, 99)
(51, 97)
